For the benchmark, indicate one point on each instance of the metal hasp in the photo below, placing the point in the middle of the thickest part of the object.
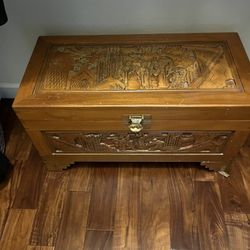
(136, 123)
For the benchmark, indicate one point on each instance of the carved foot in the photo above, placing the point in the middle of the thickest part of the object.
(224, 173)
(220, 167)
(57, 165)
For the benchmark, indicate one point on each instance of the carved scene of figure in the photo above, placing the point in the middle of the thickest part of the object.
(137, 67)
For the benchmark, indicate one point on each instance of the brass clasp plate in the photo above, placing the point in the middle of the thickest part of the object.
(137, 123)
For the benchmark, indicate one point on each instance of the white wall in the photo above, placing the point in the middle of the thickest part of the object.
(30, 18)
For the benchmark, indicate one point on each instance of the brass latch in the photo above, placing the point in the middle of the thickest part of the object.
(136, 123)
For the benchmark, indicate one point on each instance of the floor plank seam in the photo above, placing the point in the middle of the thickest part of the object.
(99, 229)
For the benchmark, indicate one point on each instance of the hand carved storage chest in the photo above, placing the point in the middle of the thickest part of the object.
(177, 97)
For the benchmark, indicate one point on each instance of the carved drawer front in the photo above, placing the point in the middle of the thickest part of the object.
(126, 142)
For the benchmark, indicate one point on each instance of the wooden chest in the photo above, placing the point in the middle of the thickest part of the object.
(176, 97)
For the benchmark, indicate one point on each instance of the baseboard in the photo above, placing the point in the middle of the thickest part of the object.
(8, 90)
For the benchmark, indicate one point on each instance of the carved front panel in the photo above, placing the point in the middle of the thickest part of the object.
(164, 66)
(120, 142)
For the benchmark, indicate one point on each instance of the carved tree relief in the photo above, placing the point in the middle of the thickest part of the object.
(203, 142)
(136, 67)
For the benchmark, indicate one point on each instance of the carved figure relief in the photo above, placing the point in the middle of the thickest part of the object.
(136, 67)
(203, 142)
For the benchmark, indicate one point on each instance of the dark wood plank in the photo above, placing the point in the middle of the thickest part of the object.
(74, 220)
(50, 209)
(19, 145)
(8, 193)
(102, 204)
(81, 177)
(238, 229)
(98, 240)
(17, 230)
(127, 223)
(233, 193)
(4, 208)
(154, 208)
(142, 209)
(29, 190)
(181, 195)
(209, 223)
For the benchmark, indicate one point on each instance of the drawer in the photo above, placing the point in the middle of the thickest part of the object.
(204, 142)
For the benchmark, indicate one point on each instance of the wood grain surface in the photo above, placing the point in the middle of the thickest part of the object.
(103, 198)
(96, 239)
(18, 228)
(8, 193)
(50, 209)
(145, 67)
(81, 178)
(181, 196)
(40, 248)
(238, 229)
(29, 190)
(147, 206)
(74, 220)
(209, 217)
(92, 85)
(239, 65)
(127, 209)
(236, 199)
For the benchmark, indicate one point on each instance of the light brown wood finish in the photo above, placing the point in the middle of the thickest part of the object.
(94, 83)
(180, 125)
(231, 202)
(238, 230)
(245, 172)
(40, 248)
(152, 206)
(120, 113)
(146, 67)
(235, 46)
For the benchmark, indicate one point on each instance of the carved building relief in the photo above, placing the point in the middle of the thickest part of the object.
(136, 67)
(203, 142)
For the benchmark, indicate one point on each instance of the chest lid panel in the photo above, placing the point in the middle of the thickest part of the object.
(132, 67)
(131, 70)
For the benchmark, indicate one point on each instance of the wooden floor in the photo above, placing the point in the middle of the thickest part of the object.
(120, 205)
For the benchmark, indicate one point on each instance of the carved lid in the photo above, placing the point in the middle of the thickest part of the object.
(145, 67)
(130, 67)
